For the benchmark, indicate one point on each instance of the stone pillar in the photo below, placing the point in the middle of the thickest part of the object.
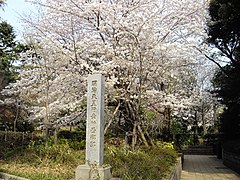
(94, 168)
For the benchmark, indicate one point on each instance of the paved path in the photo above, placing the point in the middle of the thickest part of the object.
(205, 167)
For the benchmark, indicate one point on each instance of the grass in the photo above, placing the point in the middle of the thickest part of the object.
(35, 162)
(54, 172)
(59, 161)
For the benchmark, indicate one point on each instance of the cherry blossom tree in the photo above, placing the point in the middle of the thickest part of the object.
(49, 91)
(146, 49)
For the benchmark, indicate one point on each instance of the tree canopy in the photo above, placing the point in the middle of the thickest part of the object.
(7, 53)
(145, 48)
(10, 51)
(224, 28)
(224, 34)
(2, 2)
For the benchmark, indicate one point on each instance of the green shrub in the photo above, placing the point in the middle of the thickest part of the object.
(59, 161)
(143, 163)
(57, 153)
(73, 135)
(37, 161)
(74, 144)
(12, 141)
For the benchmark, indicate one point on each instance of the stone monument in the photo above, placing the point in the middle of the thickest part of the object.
(94, 169)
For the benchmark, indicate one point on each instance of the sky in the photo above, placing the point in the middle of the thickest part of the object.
(12, 11)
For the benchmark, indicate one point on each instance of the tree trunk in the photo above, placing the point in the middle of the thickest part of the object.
(111, 120)
(16, 117)
(134, 135)
(142, 135)
(203, 120)
(215, 122)
(55, 136)
(150, 139)
(46, 120)
(5, 137)
(46, 136)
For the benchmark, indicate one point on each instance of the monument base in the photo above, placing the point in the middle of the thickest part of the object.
(93, 172)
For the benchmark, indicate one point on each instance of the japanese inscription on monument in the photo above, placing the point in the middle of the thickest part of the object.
(94, 168)
(95, 120)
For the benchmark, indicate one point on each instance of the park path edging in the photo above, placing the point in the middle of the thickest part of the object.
(177, 170)
(9, 176)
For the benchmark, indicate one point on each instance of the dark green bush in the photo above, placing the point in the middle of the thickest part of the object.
(149, 163)
(57, 153)
(74, 144)
(73, 135)
(143, 163)
(15, 140)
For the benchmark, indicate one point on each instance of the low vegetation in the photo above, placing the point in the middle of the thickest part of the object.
(143, 163)
(55, 162)
(59, 161)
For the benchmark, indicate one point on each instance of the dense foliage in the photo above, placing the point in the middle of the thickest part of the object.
(228, 90)
(224, 34)
(10, 50)
(8, 53)
(2, 2)
(146, 50)
(143, 163)
(59, 161)
(224, 29)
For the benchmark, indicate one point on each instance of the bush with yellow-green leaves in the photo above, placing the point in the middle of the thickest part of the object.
(59, 161)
